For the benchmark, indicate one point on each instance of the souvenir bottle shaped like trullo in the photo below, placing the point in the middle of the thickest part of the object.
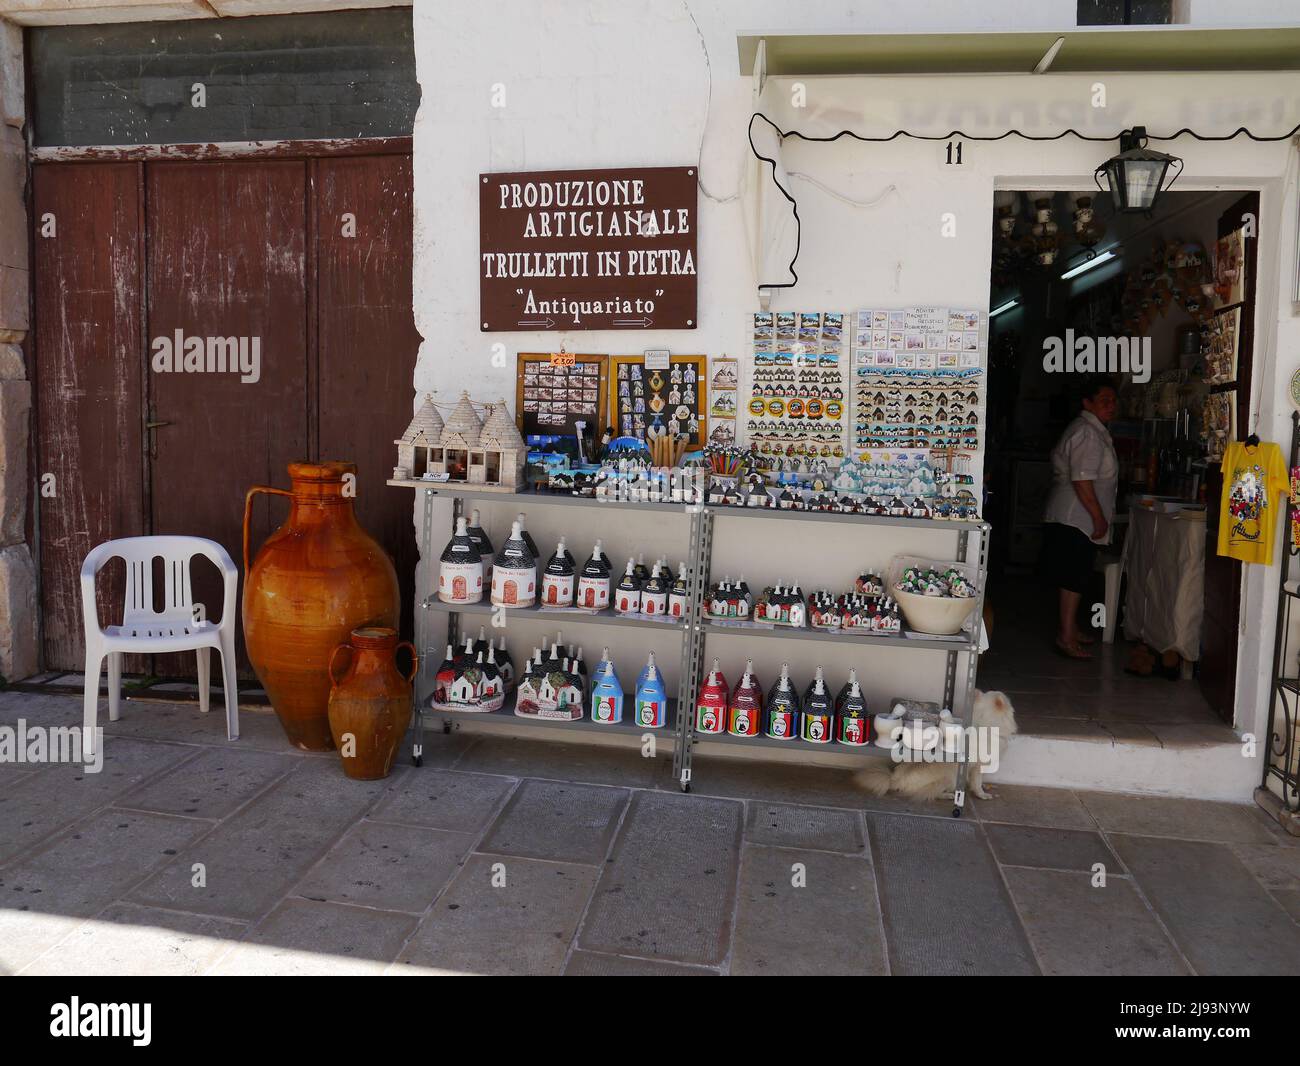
(654, 593)
(606, 694)
(514, 573)
(679, 594)
(641, 571)
(460, 572)
(782, 711)
(651, 699)
(559, 579)
(711, 703)
(818, 712)
(594, 581)
(852, 726)
(528, 538)
(627, 596)
(745, 710)
(477, 534)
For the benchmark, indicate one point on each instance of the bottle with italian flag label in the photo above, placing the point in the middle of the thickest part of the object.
(783, 708)
(606, 694)
(818, 712)
(651, 699)
(711, 704)
(745, 711)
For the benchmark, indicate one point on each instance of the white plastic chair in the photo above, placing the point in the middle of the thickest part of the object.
(144, 630)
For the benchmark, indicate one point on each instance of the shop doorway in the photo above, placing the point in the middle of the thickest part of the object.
(304, 259)
(1070, 278)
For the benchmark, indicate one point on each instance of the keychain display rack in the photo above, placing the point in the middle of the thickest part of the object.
(694, 629)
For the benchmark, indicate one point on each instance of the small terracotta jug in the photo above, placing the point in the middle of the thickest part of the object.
(371, 700)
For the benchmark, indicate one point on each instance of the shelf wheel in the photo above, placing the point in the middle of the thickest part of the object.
(417, 754)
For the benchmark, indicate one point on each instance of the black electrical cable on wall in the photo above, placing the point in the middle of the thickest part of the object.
(955, 135)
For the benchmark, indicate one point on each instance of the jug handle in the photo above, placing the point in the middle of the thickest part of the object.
(334, 655)
(415, 659)
(248, 514)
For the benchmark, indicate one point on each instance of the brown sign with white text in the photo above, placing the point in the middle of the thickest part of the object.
(588, 249)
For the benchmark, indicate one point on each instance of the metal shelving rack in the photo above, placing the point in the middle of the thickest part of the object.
(694, 630)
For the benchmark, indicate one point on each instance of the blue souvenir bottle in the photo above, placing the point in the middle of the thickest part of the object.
(606, 694)
(651, 699)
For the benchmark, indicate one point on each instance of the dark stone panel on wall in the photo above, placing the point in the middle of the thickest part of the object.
(277, 77)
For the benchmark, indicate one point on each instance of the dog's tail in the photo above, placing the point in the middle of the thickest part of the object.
(873, 779)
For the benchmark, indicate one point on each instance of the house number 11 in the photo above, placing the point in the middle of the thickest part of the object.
(954, 156)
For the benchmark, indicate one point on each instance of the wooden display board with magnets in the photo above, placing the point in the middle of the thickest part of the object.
(555, 391)
(698, 389)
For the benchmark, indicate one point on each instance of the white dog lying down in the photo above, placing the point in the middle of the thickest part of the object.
(934, 780)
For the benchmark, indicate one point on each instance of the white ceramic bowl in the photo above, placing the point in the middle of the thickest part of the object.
(940, 615)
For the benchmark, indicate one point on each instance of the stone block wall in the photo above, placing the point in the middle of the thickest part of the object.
(19, 622)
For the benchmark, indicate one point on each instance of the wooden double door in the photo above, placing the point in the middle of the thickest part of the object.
(305, 261)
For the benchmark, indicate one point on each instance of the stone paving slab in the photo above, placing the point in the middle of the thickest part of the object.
(566, 762)
(558, 821)
(1217, 913)
(1274, 865)
(523, 927)
(817, 786)
(302, 938)
(184, 722)
(669, 889)
(1187, 819)
(945, 908)
(441, 799)
(1079, 929)
(1030, 805)
(254, 857)
(60, 794)
(47, 894)
(1053, 849)
(391, 867)
(829, 925)
(594, 964)
(213, 785)
(815, 828)
(1290, 901)
(126, 940)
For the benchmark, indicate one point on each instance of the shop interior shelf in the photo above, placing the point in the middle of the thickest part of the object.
(848, 751)
(938, 524)
(560, 616)
(961, 642)
(525, 499)
(506, 716)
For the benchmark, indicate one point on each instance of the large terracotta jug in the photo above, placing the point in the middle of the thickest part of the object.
(317, 578)
(370, 703)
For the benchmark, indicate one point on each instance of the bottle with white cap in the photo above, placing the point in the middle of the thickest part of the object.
(460, 570)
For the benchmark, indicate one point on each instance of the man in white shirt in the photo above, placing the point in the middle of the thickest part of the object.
(1080, 507)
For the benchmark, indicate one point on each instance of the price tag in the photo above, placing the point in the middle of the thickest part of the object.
(657, 359)
(562, 359)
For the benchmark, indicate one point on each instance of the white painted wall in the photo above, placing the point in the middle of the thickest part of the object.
(605, 83)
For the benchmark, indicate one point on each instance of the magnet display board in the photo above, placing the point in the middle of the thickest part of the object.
(638, 396)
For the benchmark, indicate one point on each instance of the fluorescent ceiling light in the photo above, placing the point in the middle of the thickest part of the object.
(1088, 264)
(1004, 307)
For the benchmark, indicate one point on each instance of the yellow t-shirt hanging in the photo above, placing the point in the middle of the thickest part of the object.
(1254, 482)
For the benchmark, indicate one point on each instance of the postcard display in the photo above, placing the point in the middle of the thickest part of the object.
(797, 403)
(1220, 344)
